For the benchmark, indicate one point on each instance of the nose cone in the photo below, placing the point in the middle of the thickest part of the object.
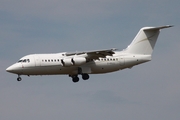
(15, 68)
(9, 69)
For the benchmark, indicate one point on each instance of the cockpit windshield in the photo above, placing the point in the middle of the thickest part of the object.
(20, 61)
(24, 60)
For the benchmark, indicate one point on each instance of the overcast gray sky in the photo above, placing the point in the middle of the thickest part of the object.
(149, 91)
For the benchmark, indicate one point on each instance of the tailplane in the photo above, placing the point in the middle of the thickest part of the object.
(145, 40)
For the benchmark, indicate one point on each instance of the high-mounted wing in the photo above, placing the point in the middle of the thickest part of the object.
(94, 54)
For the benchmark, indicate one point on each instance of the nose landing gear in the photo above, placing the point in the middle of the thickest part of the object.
(19, 78)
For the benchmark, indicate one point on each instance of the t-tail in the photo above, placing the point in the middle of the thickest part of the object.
(145, 40)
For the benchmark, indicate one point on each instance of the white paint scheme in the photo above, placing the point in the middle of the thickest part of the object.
(90, 62)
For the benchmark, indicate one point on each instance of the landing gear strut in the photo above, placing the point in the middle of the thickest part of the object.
(85, 76)
(19, 78)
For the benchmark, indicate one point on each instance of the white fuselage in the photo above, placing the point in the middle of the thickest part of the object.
(51, 64)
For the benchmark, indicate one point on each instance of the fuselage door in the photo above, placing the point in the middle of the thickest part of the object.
(37, 60)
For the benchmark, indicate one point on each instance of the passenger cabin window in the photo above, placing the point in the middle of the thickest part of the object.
(51, 60)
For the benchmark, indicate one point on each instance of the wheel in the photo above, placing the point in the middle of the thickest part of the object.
(19, 79)
(75, 79)
(85, 76)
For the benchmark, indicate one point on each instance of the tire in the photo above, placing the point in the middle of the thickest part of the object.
(19, 79)
(75, 79)
(85, 76)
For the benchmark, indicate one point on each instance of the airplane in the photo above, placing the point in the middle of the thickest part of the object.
(90, 62)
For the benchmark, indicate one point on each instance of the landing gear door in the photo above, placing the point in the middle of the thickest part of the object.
(37, 60)
(86, 69)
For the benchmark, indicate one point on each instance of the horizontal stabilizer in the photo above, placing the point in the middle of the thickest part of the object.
(157, 28)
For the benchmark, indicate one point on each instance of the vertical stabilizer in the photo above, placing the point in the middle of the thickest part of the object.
(145, 40)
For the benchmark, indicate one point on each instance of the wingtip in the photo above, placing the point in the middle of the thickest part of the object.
(169, 26)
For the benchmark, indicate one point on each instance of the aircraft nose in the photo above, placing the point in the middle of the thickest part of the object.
(15, 68)
(9, 69)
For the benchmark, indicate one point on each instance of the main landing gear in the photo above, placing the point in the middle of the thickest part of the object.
(75, 78)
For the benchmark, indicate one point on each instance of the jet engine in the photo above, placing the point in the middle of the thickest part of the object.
(67, 62)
